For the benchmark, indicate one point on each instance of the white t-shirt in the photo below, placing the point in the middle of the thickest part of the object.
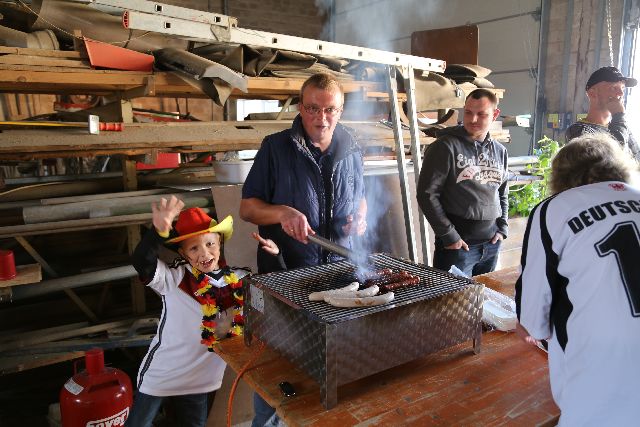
(580, 287)
(176, 362)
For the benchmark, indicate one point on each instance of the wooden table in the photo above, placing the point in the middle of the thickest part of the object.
(506, 384)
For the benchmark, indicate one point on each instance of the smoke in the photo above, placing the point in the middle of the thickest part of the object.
(382, 24)
(378, 202)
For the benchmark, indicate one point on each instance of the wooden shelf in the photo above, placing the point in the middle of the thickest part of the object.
(140, 138)
(19, 78)
(26, 274)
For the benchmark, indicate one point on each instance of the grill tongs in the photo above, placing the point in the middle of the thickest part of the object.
(355, 257)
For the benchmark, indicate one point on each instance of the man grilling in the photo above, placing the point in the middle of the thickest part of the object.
(306, 180)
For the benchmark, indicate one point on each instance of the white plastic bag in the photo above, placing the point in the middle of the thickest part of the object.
(499, 310)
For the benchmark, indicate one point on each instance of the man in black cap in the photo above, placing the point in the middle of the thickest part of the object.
(605, 90)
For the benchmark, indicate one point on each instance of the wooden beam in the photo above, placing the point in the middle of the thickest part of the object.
(47, 79)
(26, 274)
(43, 61)
(42, 52)
(216, 136)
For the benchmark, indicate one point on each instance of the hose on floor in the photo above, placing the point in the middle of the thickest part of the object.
(237, 380)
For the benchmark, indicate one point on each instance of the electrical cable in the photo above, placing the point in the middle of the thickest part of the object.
(237, 380)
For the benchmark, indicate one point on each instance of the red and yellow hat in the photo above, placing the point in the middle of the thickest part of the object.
(194, 221)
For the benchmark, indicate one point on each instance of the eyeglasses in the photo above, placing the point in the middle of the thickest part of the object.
(316, 111)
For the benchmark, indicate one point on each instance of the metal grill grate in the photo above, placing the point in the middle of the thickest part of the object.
(294, 286)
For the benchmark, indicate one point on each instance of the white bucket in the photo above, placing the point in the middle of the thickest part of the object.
(232, 171)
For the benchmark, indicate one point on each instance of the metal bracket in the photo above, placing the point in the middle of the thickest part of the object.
(412, 113)
(148, 89)
(6, 294)
(402, 168)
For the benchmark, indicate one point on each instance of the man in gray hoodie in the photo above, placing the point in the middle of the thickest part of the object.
(463, 189)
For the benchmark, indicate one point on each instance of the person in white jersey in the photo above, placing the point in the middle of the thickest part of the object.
(580, 283)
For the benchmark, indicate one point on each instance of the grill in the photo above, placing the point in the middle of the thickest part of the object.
(338, 345)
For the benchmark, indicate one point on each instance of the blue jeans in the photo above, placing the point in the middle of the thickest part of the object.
(191, 410)
(479, 259)
(265, 415)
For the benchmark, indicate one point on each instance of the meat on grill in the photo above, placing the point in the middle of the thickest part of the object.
(410, 281)
(388, 278)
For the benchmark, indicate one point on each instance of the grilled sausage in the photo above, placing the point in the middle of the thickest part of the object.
(390, 278)
(413, 280)
(375, 274)
(319, 296)
(339, 301)
(368, 292)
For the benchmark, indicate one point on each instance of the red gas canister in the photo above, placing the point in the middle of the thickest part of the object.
(96, 396)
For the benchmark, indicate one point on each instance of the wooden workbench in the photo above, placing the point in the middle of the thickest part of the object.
(506, 384)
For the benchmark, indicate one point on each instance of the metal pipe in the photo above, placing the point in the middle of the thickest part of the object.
(410, 89)
(36, 40)
(599, 26)
(107, 207)
(70, 282)
(566, 58)
(392, 87)
(541, 107)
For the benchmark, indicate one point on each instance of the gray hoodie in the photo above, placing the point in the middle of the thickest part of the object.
(463, 189)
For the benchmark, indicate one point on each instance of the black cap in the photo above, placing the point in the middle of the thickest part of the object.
(610, 74)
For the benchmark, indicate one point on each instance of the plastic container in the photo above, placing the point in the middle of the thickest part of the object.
(7, 265)
(232, 171)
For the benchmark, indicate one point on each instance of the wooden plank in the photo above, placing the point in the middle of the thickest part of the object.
(43, 61)
(48, 73)
(10, 365)
(507, 382)
(42, 52)
(28, 273)
(33, 79)
(24, 334)
(62, 334)
(242, 135)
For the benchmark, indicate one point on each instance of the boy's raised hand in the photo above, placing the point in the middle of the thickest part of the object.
(164, 213)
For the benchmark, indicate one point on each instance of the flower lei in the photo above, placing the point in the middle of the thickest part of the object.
(206, 297)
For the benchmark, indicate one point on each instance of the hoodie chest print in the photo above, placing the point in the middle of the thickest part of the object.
(481, 168)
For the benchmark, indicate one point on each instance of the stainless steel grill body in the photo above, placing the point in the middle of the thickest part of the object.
(338, 345)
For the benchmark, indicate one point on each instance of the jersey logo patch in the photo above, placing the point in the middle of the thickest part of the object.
(618, 187)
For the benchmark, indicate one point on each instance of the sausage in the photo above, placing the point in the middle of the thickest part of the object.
(319, 296)
(396, 277)
(413, 280)
(339, 301)
(375, 274)
(368, 292)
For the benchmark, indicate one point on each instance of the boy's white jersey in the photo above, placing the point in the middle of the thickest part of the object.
(580, 288)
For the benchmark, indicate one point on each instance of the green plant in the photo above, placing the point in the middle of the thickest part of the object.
(523, 198)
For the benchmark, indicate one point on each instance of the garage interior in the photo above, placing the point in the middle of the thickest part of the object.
(185, 99)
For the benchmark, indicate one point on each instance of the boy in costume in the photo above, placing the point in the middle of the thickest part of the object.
(202, 303)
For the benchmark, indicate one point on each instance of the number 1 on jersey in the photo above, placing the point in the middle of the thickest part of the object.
(624, 242)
